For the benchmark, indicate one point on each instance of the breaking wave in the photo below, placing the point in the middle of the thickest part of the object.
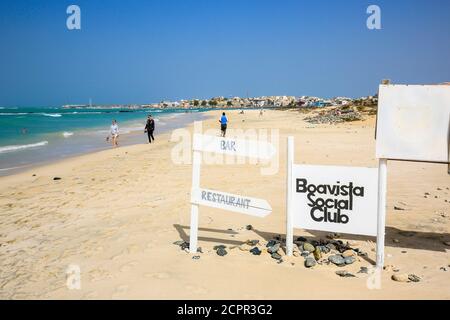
(22, 147)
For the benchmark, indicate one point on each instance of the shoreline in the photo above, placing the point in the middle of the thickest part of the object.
(126, 139)
(116, 214)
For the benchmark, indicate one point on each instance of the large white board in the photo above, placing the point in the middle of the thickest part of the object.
(413, 122)
(335, 199)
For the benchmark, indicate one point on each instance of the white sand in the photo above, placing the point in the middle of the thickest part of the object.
(116, 213)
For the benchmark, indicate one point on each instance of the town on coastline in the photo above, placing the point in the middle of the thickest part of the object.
(243, 103)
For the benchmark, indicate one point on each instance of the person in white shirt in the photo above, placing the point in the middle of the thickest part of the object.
(114, 133)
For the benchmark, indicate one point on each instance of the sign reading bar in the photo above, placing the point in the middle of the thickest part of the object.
(231, 146)
(336, 199)
(231, 202)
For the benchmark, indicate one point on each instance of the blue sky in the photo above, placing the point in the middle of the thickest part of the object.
(147, 51)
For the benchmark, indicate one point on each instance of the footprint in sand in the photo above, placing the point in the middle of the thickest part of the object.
(128, 266)
(157, 275)
(120, 291)
(196, 289)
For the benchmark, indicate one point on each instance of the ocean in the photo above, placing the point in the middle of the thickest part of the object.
(30, 136)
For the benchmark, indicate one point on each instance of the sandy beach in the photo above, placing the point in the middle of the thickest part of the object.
(116, 214)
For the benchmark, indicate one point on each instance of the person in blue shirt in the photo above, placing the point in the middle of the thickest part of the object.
(223, 124)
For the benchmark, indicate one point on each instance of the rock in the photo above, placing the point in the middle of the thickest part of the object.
(310, 262)
(398, 208)
(443, 268)
(317, 254)
(337, 260)
(276, 256)
(255, 251)
(249, 227)
(333, 236)
(301, 239)
(331, 246)
(271, 243)
(348, 253)
(221, 251)
(413, 278)
(245, 247)
(56, 178)
(178, 243)
(184, 245)
(400, 277)
(252, 242)
(349, 260)
(199, 250)
(305, 253)
(308, 247)
(345, 274)
(220, 246)
(196, 257)
(274, 248)
(363, 270)
(395, 241)
(404, 251)
(324, 249)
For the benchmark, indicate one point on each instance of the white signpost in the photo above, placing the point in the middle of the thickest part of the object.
(219, 199)
(335, 199)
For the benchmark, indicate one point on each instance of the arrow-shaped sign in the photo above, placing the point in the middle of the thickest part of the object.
(238, 147)
(231, 202)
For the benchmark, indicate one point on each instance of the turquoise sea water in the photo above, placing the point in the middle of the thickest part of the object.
(33, 135)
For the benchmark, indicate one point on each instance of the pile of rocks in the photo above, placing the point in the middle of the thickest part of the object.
(334, 116)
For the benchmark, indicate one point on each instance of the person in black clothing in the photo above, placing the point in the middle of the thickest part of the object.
(149, 128)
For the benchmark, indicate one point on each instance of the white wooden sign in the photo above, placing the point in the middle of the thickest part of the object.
(413, 122)
(219, 199)
(238, 147)
(231, 202)
(335, 199)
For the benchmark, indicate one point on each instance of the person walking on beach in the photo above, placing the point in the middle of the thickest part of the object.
(223, 124)
(149, 128)
(114, 133)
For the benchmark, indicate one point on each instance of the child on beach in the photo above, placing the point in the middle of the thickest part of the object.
(223, 124)
(114, 133)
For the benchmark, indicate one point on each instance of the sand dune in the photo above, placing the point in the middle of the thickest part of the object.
(116, 214)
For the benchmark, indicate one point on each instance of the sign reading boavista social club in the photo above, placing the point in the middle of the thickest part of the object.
(333, 198)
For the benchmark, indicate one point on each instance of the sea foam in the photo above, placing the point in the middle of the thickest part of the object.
(22, 147)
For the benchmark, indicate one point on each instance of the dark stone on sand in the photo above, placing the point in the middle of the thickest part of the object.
(271, 243)
(331, 246)
(363, 270)
(302, 239)
(413, 278)
(220, 246)
(305, 253)
(337, 259)
(249, 227)
(56, 178)
(345, 274)
(398, 208)
(276, 256)
(310, 262)
(221, 251)
(184, 245)
(324, 249)
(199, 250)
(349, 260)
(274, 248)
(255, 251)
(178, 243)
(196, 257)
(252, 242)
